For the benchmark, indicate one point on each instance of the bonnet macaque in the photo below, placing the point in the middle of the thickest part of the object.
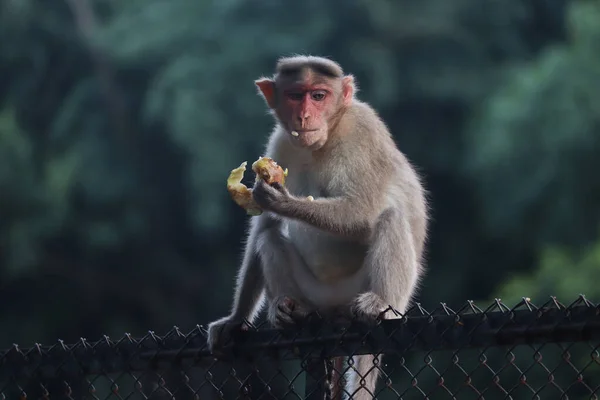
(348, 229)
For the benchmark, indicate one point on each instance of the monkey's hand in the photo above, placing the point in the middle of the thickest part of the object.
(220, 333)
(275, 197)
(286, 313)
(368, 307)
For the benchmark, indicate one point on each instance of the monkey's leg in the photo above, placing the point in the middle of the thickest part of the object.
(393, 275)
(287, 303)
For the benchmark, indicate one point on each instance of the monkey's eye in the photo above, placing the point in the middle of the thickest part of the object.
(295, 95)
(318, 95)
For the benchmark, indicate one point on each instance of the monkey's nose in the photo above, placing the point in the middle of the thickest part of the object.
(303, 119)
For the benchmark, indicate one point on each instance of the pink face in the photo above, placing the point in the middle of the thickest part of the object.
(306, 109)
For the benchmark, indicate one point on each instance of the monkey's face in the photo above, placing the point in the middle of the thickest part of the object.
(307, 104)
(306, 111)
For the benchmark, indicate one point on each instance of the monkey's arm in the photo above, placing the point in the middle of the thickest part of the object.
(338, 215)
(249, 289)
(250, 280)
(248, 292)
(394, 267)
(350, 216)
(357, 183)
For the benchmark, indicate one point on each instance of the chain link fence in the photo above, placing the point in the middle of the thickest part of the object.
(525, 352)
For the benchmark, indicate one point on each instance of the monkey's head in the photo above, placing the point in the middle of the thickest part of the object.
(307, 95)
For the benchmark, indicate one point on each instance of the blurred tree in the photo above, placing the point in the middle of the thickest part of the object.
(422, 65)
(28, 211)
(121, 120)
(82, 213)
(133, 113)
(535, 144)
(562, 272)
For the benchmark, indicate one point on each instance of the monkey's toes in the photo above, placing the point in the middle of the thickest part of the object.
(284, 321)
(287, 313)
(221, 333)
(287, 304)
(286, 316)
(368, 307)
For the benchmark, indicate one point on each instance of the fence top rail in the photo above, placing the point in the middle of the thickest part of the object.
(416, 330)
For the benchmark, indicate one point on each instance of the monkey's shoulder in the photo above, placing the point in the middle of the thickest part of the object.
(366, 119)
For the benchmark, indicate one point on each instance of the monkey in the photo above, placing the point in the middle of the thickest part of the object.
(348, 229)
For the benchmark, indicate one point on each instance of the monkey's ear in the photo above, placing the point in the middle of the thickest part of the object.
(348, 89)
(266, 88)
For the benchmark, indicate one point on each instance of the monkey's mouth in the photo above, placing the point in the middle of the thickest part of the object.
(296, 132)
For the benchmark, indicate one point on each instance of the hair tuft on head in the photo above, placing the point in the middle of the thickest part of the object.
(294, 64)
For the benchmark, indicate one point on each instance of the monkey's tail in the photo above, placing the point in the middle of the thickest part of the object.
(362, 377)
(336, 378)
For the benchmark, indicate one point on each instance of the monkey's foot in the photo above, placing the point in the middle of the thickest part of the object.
(286, 313)
(221, 332)
(368, 307)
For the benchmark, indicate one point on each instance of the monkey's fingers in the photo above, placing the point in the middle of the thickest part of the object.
(293, 315)
(219, 354)
(283, 322)
(216, 348)
(288, 303)
(265, 195)
(287, 316)
(268, 170)
(282, 189)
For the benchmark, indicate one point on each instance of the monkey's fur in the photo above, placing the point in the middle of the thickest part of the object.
(359, 244)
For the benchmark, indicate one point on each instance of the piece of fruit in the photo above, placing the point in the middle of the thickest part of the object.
(266, 169)
(240, 192)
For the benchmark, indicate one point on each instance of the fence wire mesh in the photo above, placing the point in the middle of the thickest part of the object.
(525, 352)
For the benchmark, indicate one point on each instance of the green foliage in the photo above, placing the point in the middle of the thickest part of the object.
(30, 209)
(534, 145)
(562, 272)
(202, 91)
(115, 148)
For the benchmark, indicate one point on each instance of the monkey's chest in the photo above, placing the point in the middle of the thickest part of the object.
(304, 183)
(329, 258)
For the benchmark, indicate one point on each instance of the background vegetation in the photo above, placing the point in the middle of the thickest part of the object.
(120, 120)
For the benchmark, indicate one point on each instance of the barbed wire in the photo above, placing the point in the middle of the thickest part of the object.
(527, 351)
